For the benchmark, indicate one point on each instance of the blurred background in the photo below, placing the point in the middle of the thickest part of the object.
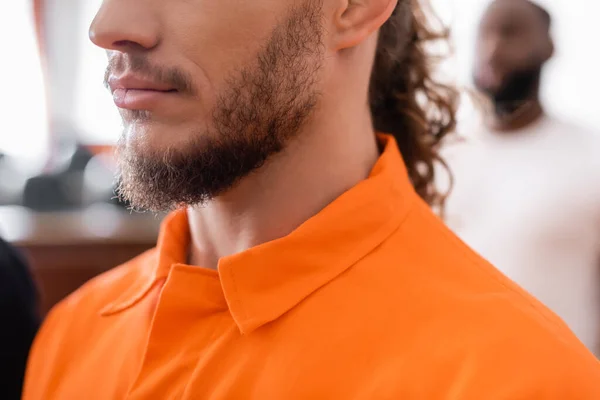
(59, 125)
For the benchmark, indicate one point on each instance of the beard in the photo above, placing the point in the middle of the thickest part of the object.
(517, 89)
(264, 107)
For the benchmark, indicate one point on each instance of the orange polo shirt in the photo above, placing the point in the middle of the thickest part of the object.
(372, 298)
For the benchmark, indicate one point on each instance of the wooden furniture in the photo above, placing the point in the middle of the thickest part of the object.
(67, 249)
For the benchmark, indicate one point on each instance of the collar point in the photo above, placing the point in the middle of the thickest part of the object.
(247, 326)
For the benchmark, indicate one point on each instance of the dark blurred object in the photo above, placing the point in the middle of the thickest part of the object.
(62, 190)
(19, 316)
(80, 159)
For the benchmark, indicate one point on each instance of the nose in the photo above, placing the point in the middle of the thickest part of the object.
(123, 24)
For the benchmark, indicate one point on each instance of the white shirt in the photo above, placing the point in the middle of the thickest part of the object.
(529, 202)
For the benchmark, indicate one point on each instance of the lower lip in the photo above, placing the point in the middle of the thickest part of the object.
(136, 99)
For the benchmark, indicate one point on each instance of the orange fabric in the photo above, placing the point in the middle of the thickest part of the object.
(373, 298)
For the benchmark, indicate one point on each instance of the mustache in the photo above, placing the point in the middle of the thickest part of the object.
(140, 64)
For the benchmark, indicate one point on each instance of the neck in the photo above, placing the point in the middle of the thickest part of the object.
(330, 156)
(512, 117)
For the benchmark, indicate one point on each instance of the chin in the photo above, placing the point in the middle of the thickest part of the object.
(149, 137)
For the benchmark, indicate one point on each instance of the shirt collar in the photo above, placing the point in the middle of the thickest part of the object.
(264, 282)
(153, 266)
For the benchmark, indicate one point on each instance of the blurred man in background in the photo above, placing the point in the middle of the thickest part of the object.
(526, 190)
(19, 320)
(303, 261)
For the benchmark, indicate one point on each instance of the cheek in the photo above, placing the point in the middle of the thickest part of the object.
(522, 55)
(218, 38)
(211, 40)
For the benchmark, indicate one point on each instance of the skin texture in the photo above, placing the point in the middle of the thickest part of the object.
(513, 45)
(270, 121)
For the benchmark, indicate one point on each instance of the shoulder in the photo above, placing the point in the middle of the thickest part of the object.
(109, 286)
(437, 295)
(581, 146)
(77, 316)
(450, 269)
(86, 303)
(581, 137)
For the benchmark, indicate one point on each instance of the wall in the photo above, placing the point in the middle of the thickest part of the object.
(23, 123)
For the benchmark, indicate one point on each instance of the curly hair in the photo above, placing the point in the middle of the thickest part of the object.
(405, 100)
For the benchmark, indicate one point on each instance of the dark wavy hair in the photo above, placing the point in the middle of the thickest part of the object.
(405, 100)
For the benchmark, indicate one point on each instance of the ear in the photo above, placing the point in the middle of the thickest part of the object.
(549, 53)
(355, 20)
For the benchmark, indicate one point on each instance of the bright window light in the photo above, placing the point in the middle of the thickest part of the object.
(23, 122)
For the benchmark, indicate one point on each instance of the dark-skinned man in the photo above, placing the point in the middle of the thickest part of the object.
(526, 193)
